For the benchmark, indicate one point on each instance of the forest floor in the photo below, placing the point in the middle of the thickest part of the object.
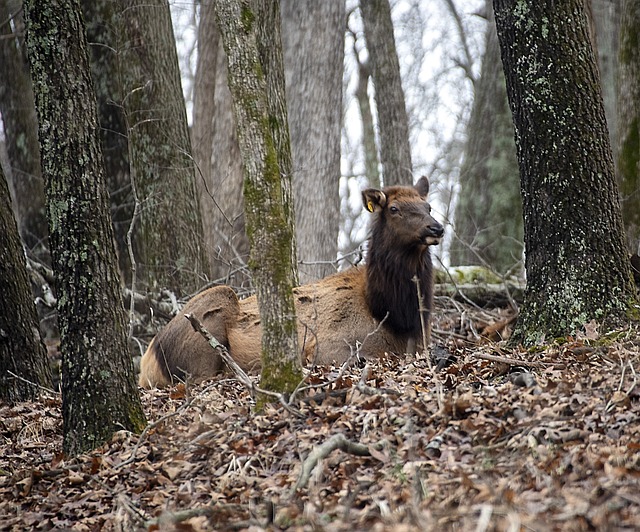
(491, 439)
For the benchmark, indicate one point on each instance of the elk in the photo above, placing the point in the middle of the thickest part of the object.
(373, 309)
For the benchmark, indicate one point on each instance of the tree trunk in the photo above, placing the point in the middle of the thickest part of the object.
(21, 131)
(251, 38)
(99, 394)
(605, 16)
(393, 124)
(102, 18)
(576, 259)
(160, 149)
(628, 152)
(216, 151)
(313, 43)
(488, 216)
(21, 349)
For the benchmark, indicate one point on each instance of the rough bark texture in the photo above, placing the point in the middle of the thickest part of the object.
(576, 259)
(313, 43)
(21, 349)
(160, 149)
(628, 152)
(99, 394)
(102, 18)
(393, 124)
(488, 217)
(251, 37)
(21, 130)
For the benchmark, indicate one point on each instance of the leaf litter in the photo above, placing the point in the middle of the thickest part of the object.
(477, 437)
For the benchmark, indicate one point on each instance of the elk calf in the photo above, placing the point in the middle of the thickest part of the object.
(373, 308)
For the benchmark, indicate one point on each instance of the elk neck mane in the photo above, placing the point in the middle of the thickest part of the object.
(391, 289)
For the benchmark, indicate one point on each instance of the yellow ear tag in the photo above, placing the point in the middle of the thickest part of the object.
(369, 206)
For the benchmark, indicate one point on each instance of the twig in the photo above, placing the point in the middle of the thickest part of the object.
(9, 372)
(154, 424)
(508, 361)
(337, 441)
(343, 367)
(239, 373)
(365, 389)
(425, 342)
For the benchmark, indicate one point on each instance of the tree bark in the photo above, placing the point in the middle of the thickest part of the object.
(102, 19)
(313, 43)
(231, 252)
(21, 349)
(21, 131)
(251, 37)
(99, 394)
(160, 149)
(576, 259)
(393, 124)
(628, 149)
(488, 216)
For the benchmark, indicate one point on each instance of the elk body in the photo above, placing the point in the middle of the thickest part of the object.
(373, 308)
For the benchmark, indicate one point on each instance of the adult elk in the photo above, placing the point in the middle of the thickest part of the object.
(373, 308)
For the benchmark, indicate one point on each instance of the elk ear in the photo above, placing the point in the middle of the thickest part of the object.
(422, 186)
(373, 199)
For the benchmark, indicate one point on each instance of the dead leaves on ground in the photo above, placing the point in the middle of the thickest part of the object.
(469, 447)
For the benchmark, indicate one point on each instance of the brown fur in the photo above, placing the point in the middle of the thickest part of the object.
(336, 315)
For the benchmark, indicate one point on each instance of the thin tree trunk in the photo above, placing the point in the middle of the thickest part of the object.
(488, 216)
(393, 123)
(21, 349)
(628, 152)
(99, 393)
(251, 39)
(21, 130)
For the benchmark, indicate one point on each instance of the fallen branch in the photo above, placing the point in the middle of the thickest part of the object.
(508, 361)
(337, 441)
(239, 373)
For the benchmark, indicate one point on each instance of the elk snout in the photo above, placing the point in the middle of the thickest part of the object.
(433, 233)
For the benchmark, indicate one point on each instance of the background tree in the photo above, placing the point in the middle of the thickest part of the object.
(488, 215)
(251, 37)
(21, 130)
(313, 44)
(628, 114)
(393, 124)
(217, 155)
(160, 150)
(99, 394)
(102, 19)
(576, 259)
(21, 349)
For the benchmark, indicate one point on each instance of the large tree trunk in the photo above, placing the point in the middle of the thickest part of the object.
(99, 393)
(21, 130)
(160, 149)
(628, 153)
(251, 37)
(21, 349)
(393, 124)
(313, 43)
(576, 259)
(102, 18)
(488, 217)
